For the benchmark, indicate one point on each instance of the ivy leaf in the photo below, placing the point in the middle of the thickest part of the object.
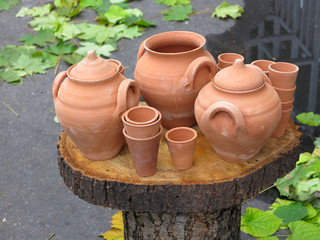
(303, 230)
(104, 50)
(35, 11)
(258, 223)
(90, 3)
(177, 13)
(170, 3)
(6, 5)
(225, 10)
(291, 213)
(67, 31)
(10, 77)
(309, 118)
(62, 48)
(42, 37)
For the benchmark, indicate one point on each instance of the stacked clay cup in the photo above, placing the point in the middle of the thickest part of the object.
(283, 77)
(142, 131)
(227, 59)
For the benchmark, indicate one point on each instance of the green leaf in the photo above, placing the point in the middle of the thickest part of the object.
(258, 223)
(291, 213)
(52, 21)
(98, 32)
(312, 212)
(30, 65)
(177, 13)
(303, 230)
(10, 77)
(67, 31)
(116, 14)
(309, 118)
(280, 202)
(269, 238)
(304, 157)
(225, 10)
(72, 58)
(68, 8)
(130, 32)
(42, 37)
(62, 48)
(35, 11)
(6, 5)
(104, 50)
(170, 3)
(316, 219)
(305, 188)
(317, 142)
(90, 3)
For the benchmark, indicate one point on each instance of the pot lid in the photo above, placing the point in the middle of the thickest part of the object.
(92, 67)
(239, 77)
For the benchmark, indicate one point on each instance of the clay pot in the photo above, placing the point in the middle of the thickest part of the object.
(89, 99)
(287, 105)
(182, 143)
(285, 95)
(283, 74)
(263, 64)
(238, 111)
(171, 69)
(141, 115)
(144, 153)
(142, 130)
(227, 59)
(281, 128)
(119, 64)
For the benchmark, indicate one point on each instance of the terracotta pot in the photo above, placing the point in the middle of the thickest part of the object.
(283, 74)
(281, 128)
(287, 105)
(171, 69)
(141, 115)
(89, 99)
(144, 153)
(285, 94)
(238, 111)
(227, 59)
(119, 64)
(182, 143)
(142, 130)
(263, 64)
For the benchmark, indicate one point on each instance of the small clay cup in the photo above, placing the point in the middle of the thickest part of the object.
(285, 95)
(281, 128)
(227, 59)
(142, 131)
(263, 64)
(287, 105)
(144, 153)
(141, 115)
(182, 143)
(283, 74)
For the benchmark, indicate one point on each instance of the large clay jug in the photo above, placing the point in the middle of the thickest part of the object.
(238, 111)
(171, 69)
(89, 99)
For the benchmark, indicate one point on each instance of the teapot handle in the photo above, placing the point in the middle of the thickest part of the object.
(56, 84)
(190, 74)
(141, 49)
(231, 109)
(266, 78)
(128, 96)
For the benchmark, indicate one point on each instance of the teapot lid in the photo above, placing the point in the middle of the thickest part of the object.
(239, 78)
(92, 67)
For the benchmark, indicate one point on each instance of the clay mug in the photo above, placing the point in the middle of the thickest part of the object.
(227, 59)
(89, 99)
(285, 94)
(238, 111)
(182, 143)
(141, 115)
(263, 64)
(287, 105)
(171, 69)
(142, 130)
(283, 74)
(281, 128)
(144, 153)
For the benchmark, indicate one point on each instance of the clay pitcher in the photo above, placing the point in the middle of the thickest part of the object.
(238, 111)
(171, 69)
(89, 99)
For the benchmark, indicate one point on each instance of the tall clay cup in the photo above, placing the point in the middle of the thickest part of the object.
(285, 95)
(227, 59)
(281, 128)
(182, 143)
(141, 115)
(287, 105)
(263, 64)
(283, 74)
(144, 153)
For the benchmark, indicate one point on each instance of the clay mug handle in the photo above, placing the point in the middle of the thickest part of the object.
(231, 109)
(56, 84)
(194, 67)
(141, 49)
(265, 77)
(127, 97)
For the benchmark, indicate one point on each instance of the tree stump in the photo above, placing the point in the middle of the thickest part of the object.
(203, 202)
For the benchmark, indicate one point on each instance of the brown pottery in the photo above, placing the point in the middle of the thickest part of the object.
(89, 99)
(263, 64)
(171, 69)
(227, 59)
(283, 74)
(141, 115)
(281, 128)
(238, 111)
(285, 94)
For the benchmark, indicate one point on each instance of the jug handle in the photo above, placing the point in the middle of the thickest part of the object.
(231, 109)
(265, 77)
(193, 68)
(141, 49)
(127, 97)
(56, 84)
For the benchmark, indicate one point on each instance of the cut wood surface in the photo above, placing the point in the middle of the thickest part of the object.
(210, 184)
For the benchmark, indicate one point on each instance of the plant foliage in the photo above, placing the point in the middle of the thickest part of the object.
(225, 10)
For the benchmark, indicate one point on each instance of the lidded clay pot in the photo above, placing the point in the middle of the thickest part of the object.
(89, 99)
(238, 111)
(171, 69)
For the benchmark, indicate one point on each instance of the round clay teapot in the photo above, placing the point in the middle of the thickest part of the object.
(89, 99)
(238, 111)
(171, 69)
